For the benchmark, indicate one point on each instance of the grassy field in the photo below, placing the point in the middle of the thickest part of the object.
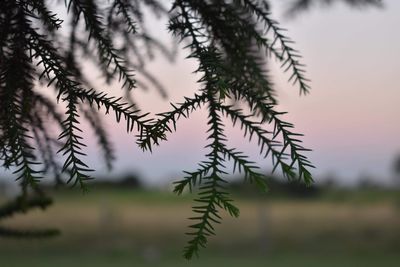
(135, 228)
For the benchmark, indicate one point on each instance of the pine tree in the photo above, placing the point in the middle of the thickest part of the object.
(232, 42)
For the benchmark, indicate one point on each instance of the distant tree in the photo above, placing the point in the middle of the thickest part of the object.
(298, 6)
(44, 89)
(396, 168)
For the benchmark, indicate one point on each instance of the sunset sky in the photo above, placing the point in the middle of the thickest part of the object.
(350, 119)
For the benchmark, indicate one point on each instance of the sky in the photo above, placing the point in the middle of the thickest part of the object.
(350, 118)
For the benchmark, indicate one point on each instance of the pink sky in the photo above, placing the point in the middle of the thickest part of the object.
(349, 119)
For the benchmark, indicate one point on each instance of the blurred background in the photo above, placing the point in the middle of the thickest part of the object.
(350, 217)
(125, 224)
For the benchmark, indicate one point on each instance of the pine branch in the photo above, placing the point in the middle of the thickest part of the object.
(121, 110)
(193, 178)
(250, 170)
(157, 130)
(96, 30)
(15, 87)
(22, 205)
(289, 56)
(23, 158)
(51, 60)
(292, 144)
(73, 146)
(64, 83)
(234, 30)
(211, 192)
(55, 71)
(12, 233)
(251, 129)
(41, 102)
(123, 8)
(226, 38)
(47, 17)
(260, 105)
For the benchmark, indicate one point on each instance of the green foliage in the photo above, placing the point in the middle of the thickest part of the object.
(231, 40)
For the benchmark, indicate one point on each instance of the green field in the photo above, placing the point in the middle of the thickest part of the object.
(136, 228)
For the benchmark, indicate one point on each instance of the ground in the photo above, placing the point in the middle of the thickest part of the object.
(123, 227)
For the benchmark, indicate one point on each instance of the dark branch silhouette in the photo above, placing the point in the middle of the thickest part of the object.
(41, 136)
